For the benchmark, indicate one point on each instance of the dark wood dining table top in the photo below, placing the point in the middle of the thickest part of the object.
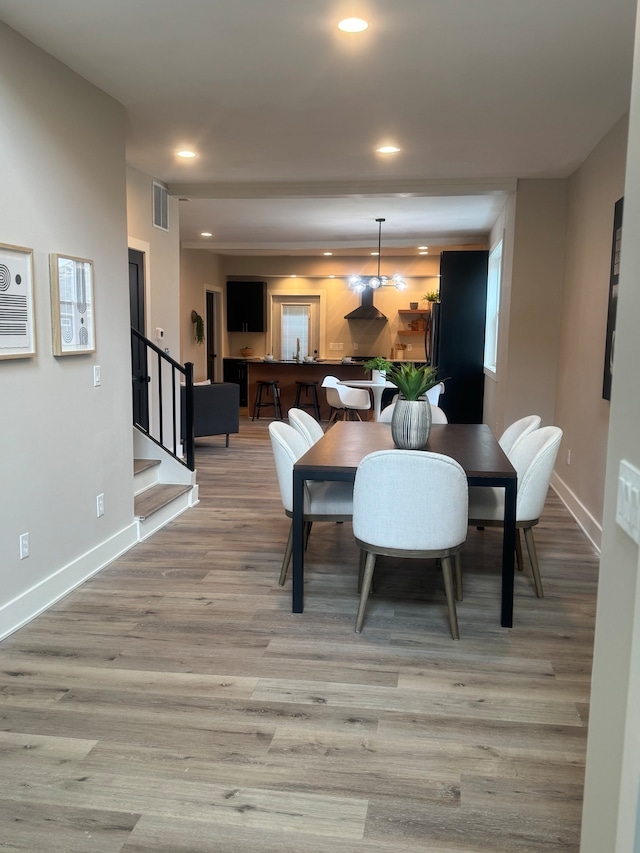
(343, 447)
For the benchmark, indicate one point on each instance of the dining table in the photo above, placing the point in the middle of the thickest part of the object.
(338, 453)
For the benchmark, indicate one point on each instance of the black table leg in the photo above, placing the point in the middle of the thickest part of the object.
(508, 548)
(297, 574)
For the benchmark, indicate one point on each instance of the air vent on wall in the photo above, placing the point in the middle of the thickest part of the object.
(160, 207)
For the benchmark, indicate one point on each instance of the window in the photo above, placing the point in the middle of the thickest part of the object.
(493, 308)
(295, 326)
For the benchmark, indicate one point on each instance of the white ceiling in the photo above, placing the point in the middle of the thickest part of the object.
(285, 111)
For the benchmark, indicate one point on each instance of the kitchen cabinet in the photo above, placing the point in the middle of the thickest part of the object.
(416, 321)
(235, 370)
(246, 306)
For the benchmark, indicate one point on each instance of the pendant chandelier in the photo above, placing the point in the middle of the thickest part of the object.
(359, 283)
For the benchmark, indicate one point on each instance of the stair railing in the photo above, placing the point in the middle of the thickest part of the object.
(159, 410)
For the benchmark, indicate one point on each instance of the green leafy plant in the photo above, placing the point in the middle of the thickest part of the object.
(198, 323)
(431, 296)
(378, 363)
(412, 381)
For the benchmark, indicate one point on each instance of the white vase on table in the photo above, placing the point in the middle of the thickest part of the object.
(379, 376)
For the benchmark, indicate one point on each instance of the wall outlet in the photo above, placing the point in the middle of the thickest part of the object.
(355, 347)
(24, 545)
(96, 375)
(409, 347)
(336, 346)
(100, 505)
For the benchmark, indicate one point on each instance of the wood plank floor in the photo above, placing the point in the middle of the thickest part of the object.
(173, 703)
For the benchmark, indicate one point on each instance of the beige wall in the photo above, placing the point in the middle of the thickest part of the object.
(199, 271)
(529, 361)
(592, 193)
(64, 440)
(610, 818)
(162, 260)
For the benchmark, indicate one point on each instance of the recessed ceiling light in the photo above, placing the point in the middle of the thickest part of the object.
(327, 253)
(424, 253)
(294, 276)
(422, 248)
(186, 154)
(206, 234)
(332, 276)
(352, 25)
(374, 253)
(387, 149)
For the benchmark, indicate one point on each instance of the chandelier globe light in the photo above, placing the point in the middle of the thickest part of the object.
(359, 283)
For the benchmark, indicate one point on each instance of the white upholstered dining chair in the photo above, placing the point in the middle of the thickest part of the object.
(516, 430)
(323, 501)
(344, 400)
(533, 456)
(433, 524)
(306, 425)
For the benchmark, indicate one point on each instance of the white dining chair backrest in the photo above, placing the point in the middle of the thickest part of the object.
(434, 518)
(515, 431)
(433, 394)
(438, 416)
(288, 446)
(343, 397)
(386, 414)
(306, 425)
(534, 456)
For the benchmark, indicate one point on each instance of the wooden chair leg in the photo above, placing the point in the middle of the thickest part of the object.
(447, 574)
(533, 558)
(333, 416)
(519, 560)
(287, 557)
(457, 569)
(369, 566)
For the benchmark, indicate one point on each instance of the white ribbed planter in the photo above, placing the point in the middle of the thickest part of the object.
(411, 424)
(378, 376)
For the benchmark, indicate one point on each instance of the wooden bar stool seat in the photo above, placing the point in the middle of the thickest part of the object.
(308, 388)
(263, 387)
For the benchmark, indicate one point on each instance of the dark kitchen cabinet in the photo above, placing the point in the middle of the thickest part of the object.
(235, 370)
(246, 306)
(459, 328)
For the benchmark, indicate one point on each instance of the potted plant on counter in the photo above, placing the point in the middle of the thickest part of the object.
(379, 368)
(411, 419)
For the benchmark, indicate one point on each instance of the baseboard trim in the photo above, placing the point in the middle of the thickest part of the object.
(591, 528)
(21, 610)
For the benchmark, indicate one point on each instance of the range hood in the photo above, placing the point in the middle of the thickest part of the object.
(366, 310)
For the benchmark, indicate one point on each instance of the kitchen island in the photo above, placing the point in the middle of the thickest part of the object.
(287, 373)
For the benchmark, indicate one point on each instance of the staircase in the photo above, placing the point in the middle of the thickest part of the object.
(163, 488)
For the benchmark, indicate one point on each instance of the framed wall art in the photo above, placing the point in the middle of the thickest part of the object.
(72, 308)
(614, 276)
(17, 318)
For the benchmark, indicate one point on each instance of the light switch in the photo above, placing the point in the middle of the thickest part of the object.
(628, 504)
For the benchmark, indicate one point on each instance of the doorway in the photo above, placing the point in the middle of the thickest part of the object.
(139, 371)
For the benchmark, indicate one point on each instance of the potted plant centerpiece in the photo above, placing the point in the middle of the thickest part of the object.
(411, 419)
(429, 298)
(379, 368)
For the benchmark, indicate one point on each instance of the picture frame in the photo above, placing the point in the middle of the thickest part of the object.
(614, 278)
(72, 305)
(17, 308)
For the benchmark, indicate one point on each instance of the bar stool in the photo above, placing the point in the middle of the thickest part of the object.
(260, 403)
(314, 404)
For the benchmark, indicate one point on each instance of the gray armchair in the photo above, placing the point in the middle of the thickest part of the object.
(216, 409)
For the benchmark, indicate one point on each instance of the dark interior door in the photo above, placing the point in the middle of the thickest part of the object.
(212, 344)
(139, 372)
